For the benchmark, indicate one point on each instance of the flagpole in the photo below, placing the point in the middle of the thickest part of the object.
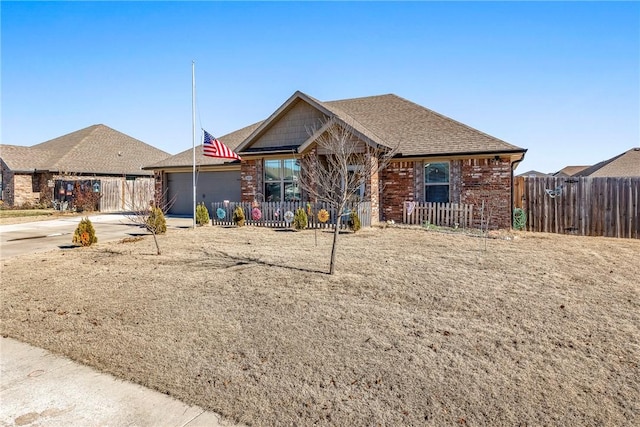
(193, 134)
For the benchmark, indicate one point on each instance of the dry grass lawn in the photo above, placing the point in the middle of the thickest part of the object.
(416, 327)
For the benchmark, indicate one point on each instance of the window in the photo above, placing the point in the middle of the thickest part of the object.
(436, 182)
(281, 180)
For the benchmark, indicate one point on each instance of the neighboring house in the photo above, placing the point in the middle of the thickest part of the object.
(96, 156)
(437, 158)
(534, 174)
(626, 164)
(569, 171)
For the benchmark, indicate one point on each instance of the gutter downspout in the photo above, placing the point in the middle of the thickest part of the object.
(513, 166)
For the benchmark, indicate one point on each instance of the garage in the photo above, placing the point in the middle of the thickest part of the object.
(210, 187)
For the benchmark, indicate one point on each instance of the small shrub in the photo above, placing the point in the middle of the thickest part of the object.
(85, 234)
(354, 221)
(238, 216)
(84, 199)
(156, 223)
(202, 214)
(300, 219)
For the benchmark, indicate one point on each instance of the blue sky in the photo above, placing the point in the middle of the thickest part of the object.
(558, 78)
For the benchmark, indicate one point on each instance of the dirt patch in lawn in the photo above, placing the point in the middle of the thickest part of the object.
(416, 327)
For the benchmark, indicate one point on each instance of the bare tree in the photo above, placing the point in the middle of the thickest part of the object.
(338, 167)
(149, 213)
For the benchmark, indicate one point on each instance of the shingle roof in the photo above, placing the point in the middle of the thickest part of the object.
(97, 149)
(416, 130)
(397, 123)
(387, 120)
(533, 173)
(185, 158)
(100, 149)
(24, 159)
(570, 170)
(626, 164)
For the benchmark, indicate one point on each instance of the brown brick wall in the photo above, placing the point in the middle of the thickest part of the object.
(471, 181)
(488, 180)
(160, 197)
(397, 186)
(7, 185)
(250, 179)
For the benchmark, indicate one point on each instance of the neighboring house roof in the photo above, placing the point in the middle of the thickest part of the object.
(185, 158)
(534, 173)
(626, 164)
(97, 149)
(396, 123)
(23, 159)
(569, 171)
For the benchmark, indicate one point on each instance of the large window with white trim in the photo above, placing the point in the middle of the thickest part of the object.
(281, 180)
(436, 182)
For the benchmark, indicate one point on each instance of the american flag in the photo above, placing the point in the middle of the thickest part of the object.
(214, 148)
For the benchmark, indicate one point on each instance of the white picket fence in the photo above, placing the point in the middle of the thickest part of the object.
(440, 214)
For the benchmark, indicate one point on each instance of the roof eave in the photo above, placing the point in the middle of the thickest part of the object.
(521, 151)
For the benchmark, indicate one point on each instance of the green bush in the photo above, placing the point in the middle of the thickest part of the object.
(202, 214)
(238, 216)
(156, 222)
(354, 221)
(85, 234)
(300, 219)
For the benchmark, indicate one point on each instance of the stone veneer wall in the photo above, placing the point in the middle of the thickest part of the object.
(22, 190)
(250, 179)
(372, 190)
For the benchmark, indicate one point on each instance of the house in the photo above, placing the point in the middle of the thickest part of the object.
(437, 158)
(626, 164)
(216, 179)
(534, 174)
(568, 171)
(96, 156)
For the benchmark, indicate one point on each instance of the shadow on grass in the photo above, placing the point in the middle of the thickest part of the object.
(68, 246)
(247, 260)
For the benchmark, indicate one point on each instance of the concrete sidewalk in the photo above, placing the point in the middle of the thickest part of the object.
(40, 388)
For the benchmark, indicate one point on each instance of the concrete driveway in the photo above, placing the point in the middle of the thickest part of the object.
(38, 388)
(42, 236)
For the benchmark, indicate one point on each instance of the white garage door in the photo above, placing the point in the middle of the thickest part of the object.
(210, 187)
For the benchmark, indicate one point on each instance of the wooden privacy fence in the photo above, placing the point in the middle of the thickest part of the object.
(583, 205)
(272, 214)
(120, 195)
(440, 214)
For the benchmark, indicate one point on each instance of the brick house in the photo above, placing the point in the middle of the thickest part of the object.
(97, 155)
(437, 158)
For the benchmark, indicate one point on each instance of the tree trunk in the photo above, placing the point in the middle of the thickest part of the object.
(336, 231)
(155, 239)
